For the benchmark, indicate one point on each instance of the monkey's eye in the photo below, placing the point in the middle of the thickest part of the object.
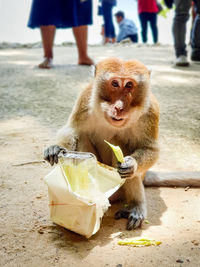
(129, 85)
(115, 83)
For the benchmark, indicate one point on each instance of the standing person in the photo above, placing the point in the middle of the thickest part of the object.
(61, 14)
(195, 36)
(181, 17)
(107, 6)
(103, 33)
(148, 10)
(127, 28)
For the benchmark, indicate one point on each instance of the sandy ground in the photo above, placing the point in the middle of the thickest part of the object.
(33, 104)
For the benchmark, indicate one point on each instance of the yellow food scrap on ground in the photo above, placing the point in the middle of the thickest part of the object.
(117, 151)
(139, 242)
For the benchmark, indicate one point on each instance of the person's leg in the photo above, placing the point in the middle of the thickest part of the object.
(143, 22)
(133, 37)
(195, 35)
(108, 23)
(154, 28)
(179, 26)
(112, 28)
(80, 34)
(48, 35)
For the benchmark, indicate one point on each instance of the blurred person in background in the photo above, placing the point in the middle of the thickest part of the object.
(102, 33)
(107, 6)
(127, 28)
(60, 14)
(148, 10)
(182, 9)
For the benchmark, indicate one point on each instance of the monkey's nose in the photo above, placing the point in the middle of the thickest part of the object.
(118, 109)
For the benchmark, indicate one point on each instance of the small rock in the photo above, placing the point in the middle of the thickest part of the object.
(119, 265)
(195, 242)
(5, 144)
(180, 261)
(57, 259)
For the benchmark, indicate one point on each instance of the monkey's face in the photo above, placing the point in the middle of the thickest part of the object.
(121, 89)
(116, 98)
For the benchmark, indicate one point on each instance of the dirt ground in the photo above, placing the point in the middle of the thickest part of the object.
(34, 103)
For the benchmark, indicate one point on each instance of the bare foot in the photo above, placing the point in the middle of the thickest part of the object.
(46, 64)
(113, 40)
(86, 61)
(107, 40)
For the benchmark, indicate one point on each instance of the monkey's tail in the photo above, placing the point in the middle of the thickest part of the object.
(174, 178)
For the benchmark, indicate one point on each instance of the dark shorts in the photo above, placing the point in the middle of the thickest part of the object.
(60, 13)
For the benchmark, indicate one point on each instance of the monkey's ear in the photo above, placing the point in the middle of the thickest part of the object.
(93, 70)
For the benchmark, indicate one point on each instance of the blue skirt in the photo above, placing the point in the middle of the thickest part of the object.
(60, 13)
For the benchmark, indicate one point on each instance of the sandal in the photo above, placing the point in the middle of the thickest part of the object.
(46, 64)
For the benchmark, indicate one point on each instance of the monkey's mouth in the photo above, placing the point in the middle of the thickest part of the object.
(117, 119)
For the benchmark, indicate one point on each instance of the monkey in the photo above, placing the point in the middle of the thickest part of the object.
(117, 106)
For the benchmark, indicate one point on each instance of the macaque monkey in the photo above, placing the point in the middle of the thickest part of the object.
(119, 107)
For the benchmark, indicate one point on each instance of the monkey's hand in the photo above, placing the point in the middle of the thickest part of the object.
(51, 153)
(128, 168)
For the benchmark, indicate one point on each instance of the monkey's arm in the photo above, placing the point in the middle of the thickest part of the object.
(68, 137)
(66, 140)
(147, 151)
(140, 161)
(146, 156)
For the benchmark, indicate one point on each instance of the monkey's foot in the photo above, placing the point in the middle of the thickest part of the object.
(134, 215)
(46, 64)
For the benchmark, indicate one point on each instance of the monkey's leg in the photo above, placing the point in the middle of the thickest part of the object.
(117, 196)
(135, 212)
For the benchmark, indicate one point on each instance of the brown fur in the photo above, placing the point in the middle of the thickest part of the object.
(119, 107)
(138, 137)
